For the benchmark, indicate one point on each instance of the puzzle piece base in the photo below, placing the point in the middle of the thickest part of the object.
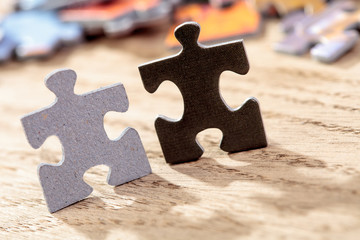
(244, 132)
(63, 187)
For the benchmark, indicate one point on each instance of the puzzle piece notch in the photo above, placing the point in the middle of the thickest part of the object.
(196, 71)
(331, 32)
(36, 34)
(77, 120)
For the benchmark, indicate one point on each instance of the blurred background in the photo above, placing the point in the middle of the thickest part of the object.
(40, 29)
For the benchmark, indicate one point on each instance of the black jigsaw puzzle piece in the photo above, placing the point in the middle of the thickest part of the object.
(196, 71)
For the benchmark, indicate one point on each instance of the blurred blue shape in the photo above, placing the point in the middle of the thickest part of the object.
(6, 47)
(36, 34)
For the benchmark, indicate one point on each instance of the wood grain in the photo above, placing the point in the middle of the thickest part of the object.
(305, 185)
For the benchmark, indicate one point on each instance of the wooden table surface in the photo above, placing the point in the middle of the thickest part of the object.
(304, 185)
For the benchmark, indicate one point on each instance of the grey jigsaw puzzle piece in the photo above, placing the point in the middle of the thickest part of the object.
(328, 35)
(196, 71)
(77, 120)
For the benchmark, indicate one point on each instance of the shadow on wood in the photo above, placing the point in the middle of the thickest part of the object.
(150, 214)
(298, 178)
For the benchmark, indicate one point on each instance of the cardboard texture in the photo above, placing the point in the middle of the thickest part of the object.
(196, 71)
(77, 120)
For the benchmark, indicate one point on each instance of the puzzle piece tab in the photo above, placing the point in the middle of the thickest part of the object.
(119, 17)
(283, 7)
(78, 121)
(236, 21)
(196, 71)
(333, 32)
(35, 34)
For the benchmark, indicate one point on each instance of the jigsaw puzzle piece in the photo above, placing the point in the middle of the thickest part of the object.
(196, 71)
(38, 33)
(51, 4)
(78, 121)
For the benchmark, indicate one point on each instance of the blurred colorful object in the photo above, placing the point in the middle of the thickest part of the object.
(38, 33)
(233, 22)
(221, 3)
(35, 34)
(119, 17)
(283, 7)
(51, 4)
(334, 31)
